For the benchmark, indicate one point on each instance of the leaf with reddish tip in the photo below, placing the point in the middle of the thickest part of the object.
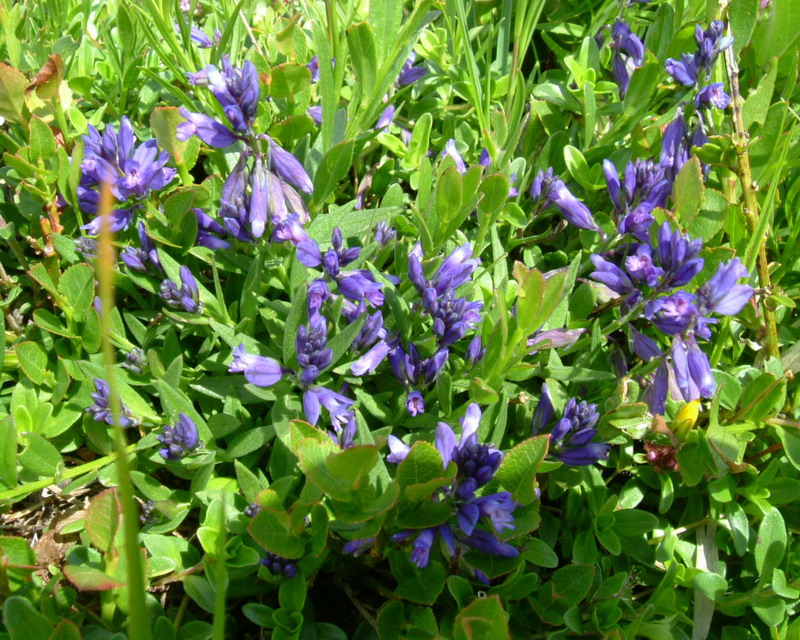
(102, 519)
(90, 579)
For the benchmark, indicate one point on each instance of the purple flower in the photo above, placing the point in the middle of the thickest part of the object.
(258, 370)
(370, 361)
(572, 437)
(672, 314)
(337, 405)
(678, 256)
(312, 353)
(210, 131)
(179, 440)
(721, 294)
(313, 67)
(714, 95)
(645, 187)
(210, 232)
(450, 150)
(134, 361)
(143, 258)
(486, 542)
(289, 168)
(692, 369)
(611, 275)
(315, 113)
(186, 297)
(384, 234)
(409, 74)
(657, 393)
(197, 35)
(623, 39)
(415, 403)
(235, 89)
(644, 346)
(555, 338)
(475, 350)
(100, 409)
(674, 146)
(684, 70)
(641, 268)
(132, 172)
(573, 210)
(398, 450)
(386, 118)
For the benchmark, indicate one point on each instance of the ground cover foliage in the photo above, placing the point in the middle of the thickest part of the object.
(384, 319)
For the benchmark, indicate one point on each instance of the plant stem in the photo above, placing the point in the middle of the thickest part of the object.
(750, 208)
(138, 619)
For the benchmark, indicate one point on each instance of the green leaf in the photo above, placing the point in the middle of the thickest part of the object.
(288, 80)
(352, 464)
(8, 452)
(103, 520)
(775, 35)
(386, 17)
(495, 194)
(33, 360)
(66, 630)
(762, 397)
(422, 464)
(334, 166)
(743, 15)
(540, 553)
(23, 622)
(313, 455)
(420, 141)
(12, 93)
(449, 194)
(40, 457)
(43, 142)
(711, 585)
(270, 529)
(90, 579)
(482, 618)
(48, 321)
(756, 106)
(688, 191)
(791, 444)
(632, 523)
(571, 584)
(578, 167)
(518, 470)
(164, 123)
(361, 45)
(771, 543)
(259, 614)
(77, 288)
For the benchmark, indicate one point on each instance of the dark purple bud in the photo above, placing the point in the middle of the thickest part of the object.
(210, 131)
(258, 370)
(289, 168)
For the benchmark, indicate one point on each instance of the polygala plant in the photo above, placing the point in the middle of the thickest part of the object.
(399, 319)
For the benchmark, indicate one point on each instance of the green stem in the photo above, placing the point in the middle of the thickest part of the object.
(138, 616)
(12, 495)
(750, 208)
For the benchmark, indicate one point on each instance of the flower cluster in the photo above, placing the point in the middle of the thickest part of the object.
(693, 71)
(131, 172)
(186, 297)
(624, 64)
(100, 409)
(356, 285)
(180, 439)
(144, 258)
(572, 437)
(476, 464)
(278, 565)
(644, 187)
(262, 189)
(652, 278)
(548, 189)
